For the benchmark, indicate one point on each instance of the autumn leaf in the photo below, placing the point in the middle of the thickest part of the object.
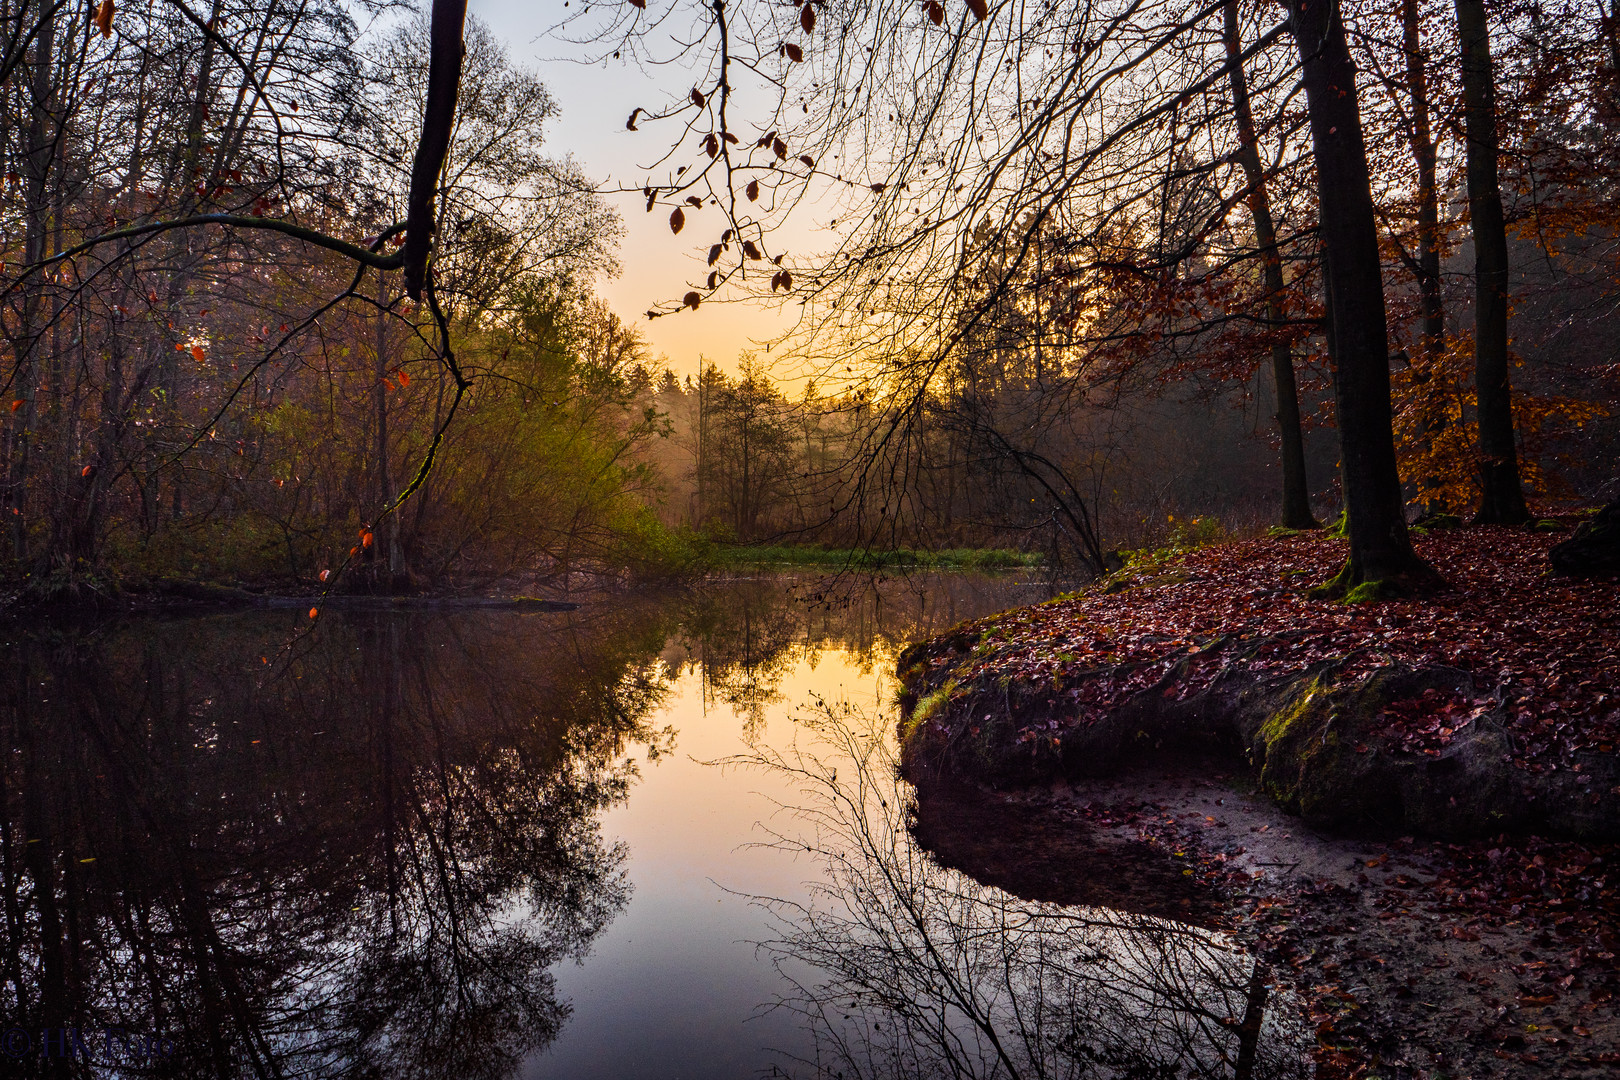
(794, 53)
(809, 162)
(750, 250)
(714, 254)
(325, 574)
(366, 538)
(780, 147)
(807, 18)
(879, 188)
(197, 353)
(714, 279)
(15, 405)
(642, 4)
(677, 220)
(693, 200)
(936, 12)
(980, 9)
(730, 138)
(697, 97)
(404, 379)
(692, 300)
(752, 190)
(104, 18)
(631, 123)
(711, 144)
(314, 612)
(87, 470)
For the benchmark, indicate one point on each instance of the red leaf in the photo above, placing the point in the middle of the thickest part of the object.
(642, 4)
(807, 18)
(404, 379)
(794, 53)
(980, 9)
(197, 353)
(87, 470)
(314, 612)
(104, 18)
(936, 11)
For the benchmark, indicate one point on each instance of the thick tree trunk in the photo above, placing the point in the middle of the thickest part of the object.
(1501, 494)
(1296, 492)
(1380, 547)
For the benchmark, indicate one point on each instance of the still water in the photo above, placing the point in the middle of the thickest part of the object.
(659, 836)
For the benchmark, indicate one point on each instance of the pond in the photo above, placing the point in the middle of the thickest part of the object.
(659, 836)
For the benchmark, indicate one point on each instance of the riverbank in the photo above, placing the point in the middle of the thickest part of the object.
(1412, 958)
(1408, 808)
(1489, 707)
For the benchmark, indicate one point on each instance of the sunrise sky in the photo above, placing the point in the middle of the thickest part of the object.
(657, 265)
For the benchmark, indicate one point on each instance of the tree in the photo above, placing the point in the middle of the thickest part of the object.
(1501, 493)
(1296, 496)
(1380, 546)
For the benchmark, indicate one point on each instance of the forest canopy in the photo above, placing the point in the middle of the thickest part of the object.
(285, 298)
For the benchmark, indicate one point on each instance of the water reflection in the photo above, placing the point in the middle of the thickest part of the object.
(901, 968)
(242, 846)
(355, 857)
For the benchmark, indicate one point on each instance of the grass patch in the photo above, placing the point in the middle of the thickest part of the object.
(803, 555)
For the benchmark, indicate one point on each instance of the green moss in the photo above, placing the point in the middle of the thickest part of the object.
(1369, 592)
(928, 707)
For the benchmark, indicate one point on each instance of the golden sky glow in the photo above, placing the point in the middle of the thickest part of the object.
(657, 266)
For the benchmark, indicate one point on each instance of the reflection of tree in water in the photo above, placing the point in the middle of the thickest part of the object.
(745, 636)
(903, 969)
(358, 861)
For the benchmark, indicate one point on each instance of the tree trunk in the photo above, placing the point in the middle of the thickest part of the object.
(1296, 492)
(1423, 152)
(1501, 494)
(1380, 547)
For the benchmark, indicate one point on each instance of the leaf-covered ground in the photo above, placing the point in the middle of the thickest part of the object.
(1547, 647)
(1413, 959)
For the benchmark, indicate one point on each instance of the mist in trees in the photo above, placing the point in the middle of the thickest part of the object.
(1061, 241)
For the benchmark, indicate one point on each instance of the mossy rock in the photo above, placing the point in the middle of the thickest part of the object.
(1593, 550)
(1320, 753)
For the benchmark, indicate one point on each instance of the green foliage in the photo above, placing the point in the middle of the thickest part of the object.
(790, 555)
(1187, 534)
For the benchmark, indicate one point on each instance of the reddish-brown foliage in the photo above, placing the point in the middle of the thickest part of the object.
(1545, 646)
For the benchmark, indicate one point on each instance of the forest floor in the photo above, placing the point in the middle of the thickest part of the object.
(1547, 648)
(1485, 954)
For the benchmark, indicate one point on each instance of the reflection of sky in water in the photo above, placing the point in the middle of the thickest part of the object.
(673, 987)
(355, 816)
